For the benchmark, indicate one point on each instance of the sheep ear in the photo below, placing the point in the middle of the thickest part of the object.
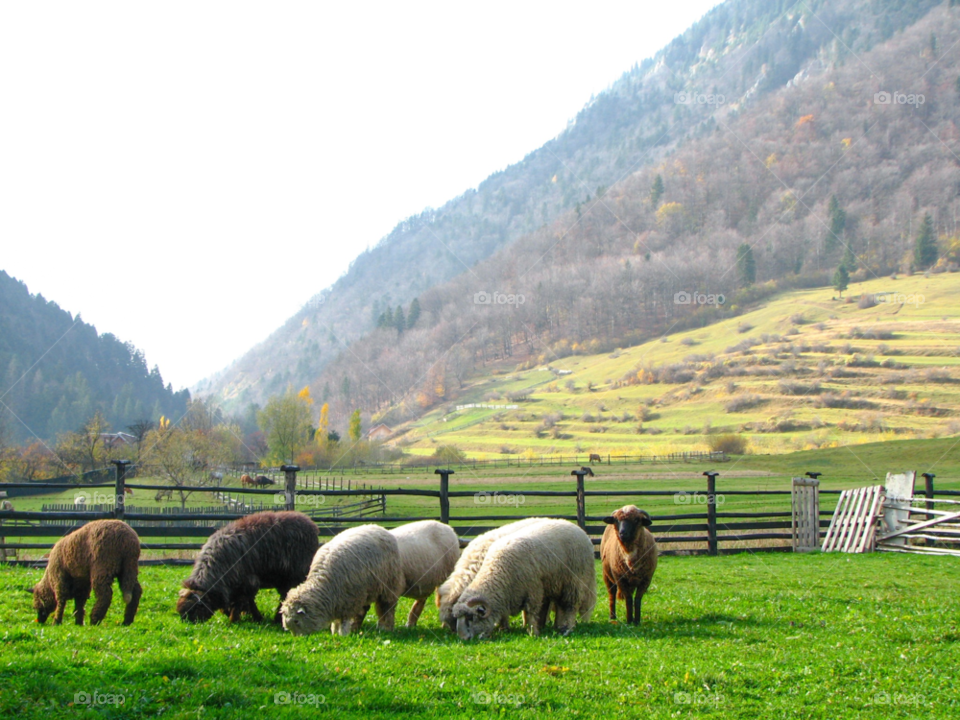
(610, 520)
(645, 519)
(479, 605)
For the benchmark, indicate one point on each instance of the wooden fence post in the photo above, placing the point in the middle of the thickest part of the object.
(928, 493)
(444, 494)
(581, 499)
(711, 511)
(290, 489)
(119, 503)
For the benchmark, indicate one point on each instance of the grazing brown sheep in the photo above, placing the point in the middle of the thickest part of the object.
(629, 555)
(262, 550)
(89, 559)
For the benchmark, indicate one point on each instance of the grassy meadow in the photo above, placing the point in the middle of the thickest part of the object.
(791, 636)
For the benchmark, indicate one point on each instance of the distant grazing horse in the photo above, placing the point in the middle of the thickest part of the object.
(595, 458)
(263, 481)
(246, 480)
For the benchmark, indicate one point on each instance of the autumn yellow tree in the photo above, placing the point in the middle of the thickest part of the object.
(323, 426)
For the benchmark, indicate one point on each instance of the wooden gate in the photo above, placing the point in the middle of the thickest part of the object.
(805, 496)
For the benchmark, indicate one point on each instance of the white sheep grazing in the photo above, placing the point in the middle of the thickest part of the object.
(360, 567)
(429, 550)
(549, 562)
(467, 567)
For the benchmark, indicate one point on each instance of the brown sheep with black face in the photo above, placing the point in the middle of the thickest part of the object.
(88, 559)
(629, 555)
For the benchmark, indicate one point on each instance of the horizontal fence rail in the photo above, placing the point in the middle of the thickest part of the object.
(699, 524)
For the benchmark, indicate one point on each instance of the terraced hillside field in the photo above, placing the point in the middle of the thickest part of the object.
(806, 370)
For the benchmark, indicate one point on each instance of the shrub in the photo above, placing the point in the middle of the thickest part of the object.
(866, 302)
(729, 443)
(743, 402)
(449, 454)
(795, 388)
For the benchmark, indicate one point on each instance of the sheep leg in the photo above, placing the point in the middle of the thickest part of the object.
(627, 593)
(253, 609)
(278, 617)
(130, 587)
(504, 623)
(344, 628)
(637, 600)
(103, 591)
(566, 619)
(386, 611)
(534, 606)
(79, 603)
(612, 592)
(62, 592)
(544, 616)
(415, 612)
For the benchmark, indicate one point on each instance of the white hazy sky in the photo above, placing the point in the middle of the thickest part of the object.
(186, 175)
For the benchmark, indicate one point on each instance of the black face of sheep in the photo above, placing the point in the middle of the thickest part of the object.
(197, 606)
(474, 620)
(629, 526)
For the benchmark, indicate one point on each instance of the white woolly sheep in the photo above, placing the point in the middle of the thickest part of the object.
(429, 550)
(467, 567)
(358, 568)
(629, 556)
(548, 562)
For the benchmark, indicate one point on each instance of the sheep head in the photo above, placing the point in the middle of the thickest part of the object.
(197, 606)
(629, 521)
(474, 618)
(44, 601)
(294, 618)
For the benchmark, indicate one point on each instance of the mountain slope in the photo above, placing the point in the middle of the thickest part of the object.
(57, 371)
(816, 175)
(743, 50)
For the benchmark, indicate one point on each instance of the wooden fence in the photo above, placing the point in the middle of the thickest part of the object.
(714, 530)
(518, 461)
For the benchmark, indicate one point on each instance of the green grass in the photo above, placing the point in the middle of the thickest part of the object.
(790, 636)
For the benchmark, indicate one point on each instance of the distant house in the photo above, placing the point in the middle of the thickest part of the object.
(117, 439)
(379, 432)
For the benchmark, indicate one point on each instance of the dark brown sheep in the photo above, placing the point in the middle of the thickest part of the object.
(262, 550)
(629, 555)
(89, 559)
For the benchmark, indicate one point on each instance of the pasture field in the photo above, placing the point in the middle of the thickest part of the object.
(787, 636)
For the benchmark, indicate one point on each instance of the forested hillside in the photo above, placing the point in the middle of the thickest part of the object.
(56, 371)
(742, 51)
(819, 181)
